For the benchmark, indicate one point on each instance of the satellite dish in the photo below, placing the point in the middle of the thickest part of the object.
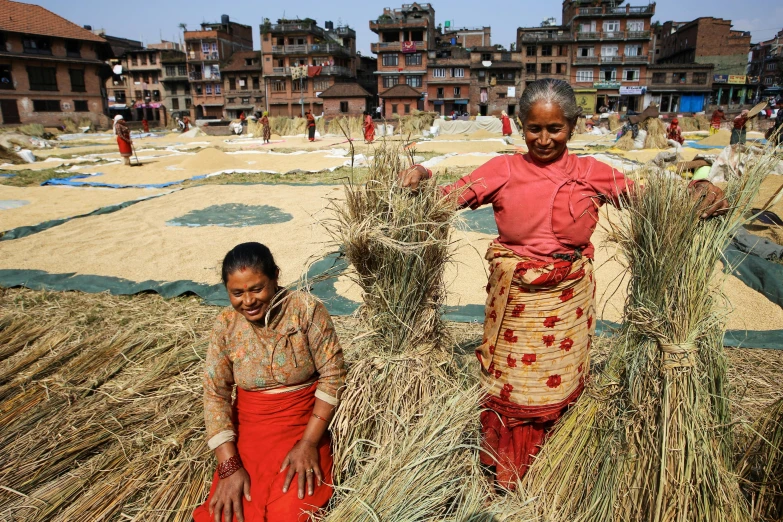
(486, 63)
(117, 69)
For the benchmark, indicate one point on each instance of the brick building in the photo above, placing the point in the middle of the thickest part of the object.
(399, 100)
(118, 85)
(496, 81)
(448, 80)
(205, 50)
(766, 67)
(466, 37)
(176, 85)
(329, 53)
(144, 71)
(365, 76)
(50, 68)
(602, 49)
(243, 84)
(405, 37)
(679, 88)
(345, 99)
(709, 40)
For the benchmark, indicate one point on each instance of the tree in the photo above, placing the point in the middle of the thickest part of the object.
(183, 26)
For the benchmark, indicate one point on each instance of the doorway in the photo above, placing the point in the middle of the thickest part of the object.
(10, 111)
(482, 110)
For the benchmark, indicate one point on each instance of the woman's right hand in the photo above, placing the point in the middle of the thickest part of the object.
(227, 500)
(413, 176)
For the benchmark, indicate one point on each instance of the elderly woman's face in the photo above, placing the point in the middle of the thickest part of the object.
(546, 131)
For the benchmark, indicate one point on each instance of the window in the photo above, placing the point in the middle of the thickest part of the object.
(6, 80)
(439, 73)
(217, 88)
(700, 78)
(138, 95)
(659, 77)
(390, 60)
(585, 52)
(505, 57)
(173, 89)
(171, 70)
(119, 97)
(153, 59)
(320, 84)
(530, 68)
(243, 83)
(631, 75)
(457, 92)
(245, 101)
(611, 26)
(530, 50)
(143, 59)
(771, 66)
(679, 77)
(413, 59)
(299, 85)
(670, 103)
(153, 78)
(46, 106)
(608, 75)
(634, 26)
(413, 81)
(343, 107)
(232, 84)
(80, 106)
(407, 108)
(512, 110)
(768, 80)
(633, 50)
(546, 50)
(439, 93)
(134, 61)
(182, 70)
(560, 68)
(42, 78)
(458, 73)
(390, 81)
(256, 82)
(208, 88)
(394, 108)
(546, 68)
(73, 48)
(156, 96)
(486, 57)
(175, 104)
(609, 50)
(188, 103)
(248, 61)
(37, 45)
(205, 47)
(584, 75)
(562, 52)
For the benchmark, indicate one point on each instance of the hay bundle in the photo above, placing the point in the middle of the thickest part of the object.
(688, 124)
(614, 122)
(352, 126)
(398, 242)
(656, 134)
(581, 128)
(417, 122)
(704, 123)
(651, 440)
(761, 468)
(626, 142)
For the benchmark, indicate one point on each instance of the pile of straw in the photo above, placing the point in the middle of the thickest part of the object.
(9, 156)
(656, 134)
(761, 467)
(284, 126)
(614, 122)
(626, 142)
(651, 439)
(581, 128)
(415, 123)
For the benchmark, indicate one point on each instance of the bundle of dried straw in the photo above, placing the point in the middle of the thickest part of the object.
(761, 467)
(656, 134)
(651, 440)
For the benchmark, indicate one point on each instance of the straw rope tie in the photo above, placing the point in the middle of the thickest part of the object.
(678, 355)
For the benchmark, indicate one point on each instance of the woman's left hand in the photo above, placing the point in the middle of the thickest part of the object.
(303, 460)
(713, 200)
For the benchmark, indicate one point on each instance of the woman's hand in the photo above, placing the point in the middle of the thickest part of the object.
(713, 200)
(413, 176)
(227, 500)
(303, 460)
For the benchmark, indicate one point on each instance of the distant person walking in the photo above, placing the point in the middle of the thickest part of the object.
(369, 128)
(718, 117)
(739, 133)
(267, 128)
(310, 126)
(506, 123)
(123, 138)
(145, 125)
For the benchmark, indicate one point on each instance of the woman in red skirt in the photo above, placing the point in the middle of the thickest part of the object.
(279, 348)
(123, 138)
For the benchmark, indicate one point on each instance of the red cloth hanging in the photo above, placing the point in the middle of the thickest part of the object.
(313, 70)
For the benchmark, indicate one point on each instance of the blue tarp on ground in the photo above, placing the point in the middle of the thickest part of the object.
(74, 181)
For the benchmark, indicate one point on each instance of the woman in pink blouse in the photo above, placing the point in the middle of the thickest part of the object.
(280, 350)
(540, 308)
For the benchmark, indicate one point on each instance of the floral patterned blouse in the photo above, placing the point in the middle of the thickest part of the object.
(297, 347)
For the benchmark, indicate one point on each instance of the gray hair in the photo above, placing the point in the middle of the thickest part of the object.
(552, 91)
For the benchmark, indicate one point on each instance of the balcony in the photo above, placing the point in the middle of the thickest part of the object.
(615, 11)
(296, 27)
(327, 70)
(194, 56)
(586, 60)
(198, 76)
(386, 22)
(612, 59)
(637, 59)
(588, 36)
(612, 35)
(377, 47)
(547, 37)
(310, 49)
(345, 32)
(637, 35)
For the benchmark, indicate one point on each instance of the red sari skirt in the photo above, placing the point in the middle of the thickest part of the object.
(125, 148)
(268, 427)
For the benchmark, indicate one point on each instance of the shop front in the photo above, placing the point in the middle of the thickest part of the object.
(631, 98)
(730, 90)
(607, 96)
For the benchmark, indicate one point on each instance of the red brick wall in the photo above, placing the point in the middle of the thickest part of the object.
(356, 107)
(389, 103)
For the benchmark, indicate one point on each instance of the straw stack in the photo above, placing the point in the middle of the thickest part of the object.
(417, 122)
(651, 440)
(656, 134)
(761, 467)
(614, 122)
(626, 142)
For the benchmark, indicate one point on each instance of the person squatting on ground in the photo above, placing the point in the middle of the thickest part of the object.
(124, 141)
(280, 349)
(674, 132)
(540, 308)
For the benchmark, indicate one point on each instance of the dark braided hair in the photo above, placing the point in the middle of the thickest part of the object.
(251, 255)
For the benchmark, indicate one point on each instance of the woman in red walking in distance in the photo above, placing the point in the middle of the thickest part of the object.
(369, 128)
(310, 126)
(506, 123)
(123, 138)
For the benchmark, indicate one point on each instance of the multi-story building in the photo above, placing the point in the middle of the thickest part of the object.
(176, 86)
(143, 69)
(405, 37)
(366, 77)
(546, 52)
(243, 85)
(680, 87)
(709, 40)
(766, 67)
(118, 83)
(205, 50)
(448, 80)
(328, 53)
(496, 81)
(466, 37)
(50, 68)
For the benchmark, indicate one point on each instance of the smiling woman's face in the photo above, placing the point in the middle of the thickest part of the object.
(250, 292)
(547, 131)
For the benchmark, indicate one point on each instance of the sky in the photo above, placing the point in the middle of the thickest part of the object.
(151, 22)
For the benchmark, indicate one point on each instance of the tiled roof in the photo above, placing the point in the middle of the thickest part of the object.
(401, 91)
(345, 90)
(237, 62)
(16, 17)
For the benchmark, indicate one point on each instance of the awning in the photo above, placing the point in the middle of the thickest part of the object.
(212, 105)
(460, 102)
(397, 73)
(154, 105)
(437, 102)
(118, 107)
(239, 107)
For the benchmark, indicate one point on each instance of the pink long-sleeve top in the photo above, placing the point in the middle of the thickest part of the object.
(543, 209)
